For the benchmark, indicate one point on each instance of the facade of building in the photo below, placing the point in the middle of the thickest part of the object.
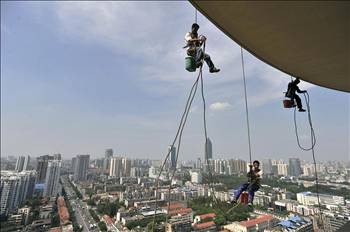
(172, 152)
(120, 167)
(309, 198)
(196, 177)
(294, 167)
(267, 166)
(22, 163)
(261, 223)
(15, 188)
(41, 169)
(282, 169)
(52, 178)
(81, 167)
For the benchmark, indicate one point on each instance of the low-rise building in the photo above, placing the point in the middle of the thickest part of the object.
(205, 227)
(260, 223)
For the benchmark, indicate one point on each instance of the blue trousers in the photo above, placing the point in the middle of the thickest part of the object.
(251, 188)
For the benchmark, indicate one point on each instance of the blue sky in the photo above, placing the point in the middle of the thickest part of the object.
(80, 77)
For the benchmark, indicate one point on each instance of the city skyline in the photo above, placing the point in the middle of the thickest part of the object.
(73, 91)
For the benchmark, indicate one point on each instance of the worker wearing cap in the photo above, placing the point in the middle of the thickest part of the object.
(291, 93)
(254, 177)
(194, 44)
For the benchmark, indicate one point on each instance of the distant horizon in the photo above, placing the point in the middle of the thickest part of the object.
(182, 160)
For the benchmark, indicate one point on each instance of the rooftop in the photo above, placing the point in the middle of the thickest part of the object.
(258, 220)
(204, 225)
(208, 215)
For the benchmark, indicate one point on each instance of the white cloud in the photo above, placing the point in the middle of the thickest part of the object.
(149, 32)
(220, 106)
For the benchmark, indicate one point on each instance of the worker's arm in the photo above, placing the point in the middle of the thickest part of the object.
(300, 91)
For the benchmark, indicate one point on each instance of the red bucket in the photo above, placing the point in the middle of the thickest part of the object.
(244, 198)
(288, 103)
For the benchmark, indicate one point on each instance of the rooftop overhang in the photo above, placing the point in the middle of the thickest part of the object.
(306, 39)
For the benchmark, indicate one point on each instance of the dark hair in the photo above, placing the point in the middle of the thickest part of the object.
(255, 161)
(195, 25)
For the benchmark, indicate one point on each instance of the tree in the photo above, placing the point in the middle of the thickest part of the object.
(102, 226)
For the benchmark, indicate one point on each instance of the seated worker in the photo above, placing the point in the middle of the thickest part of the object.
(194, 44)
(292, 88)
(253, 184)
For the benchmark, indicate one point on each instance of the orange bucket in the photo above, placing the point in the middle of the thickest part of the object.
(288, 103)
(244, 198)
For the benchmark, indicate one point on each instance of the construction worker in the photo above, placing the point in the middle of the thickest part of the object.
(254, 176)
(194, 44)
(292, 88)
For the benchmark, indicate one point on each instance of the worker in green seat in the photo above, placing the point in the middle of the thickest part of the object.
(194, 48)
(253, 184)
(292, 88)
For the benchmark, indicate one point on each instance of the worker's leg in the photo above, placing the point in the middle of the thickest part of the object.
(242, 188)
(198, 57)
(251, 191)
(208, 60)
(298, 101)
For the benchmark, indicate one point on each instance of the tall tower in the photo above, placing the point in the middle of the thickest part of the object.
(208, 149)
(52, 178)
(22, 163)
(81, 166)
(172, 151)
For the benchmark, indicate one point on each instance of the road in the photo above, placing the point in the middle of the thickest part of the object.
(80, 208)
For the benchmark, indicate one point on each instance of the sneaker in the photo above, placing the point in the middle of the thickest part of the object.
(302, 110)
(214, 70)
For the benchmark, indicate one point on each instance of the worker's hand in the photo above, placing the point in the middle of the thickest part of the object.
(250, 166)
(203, 38)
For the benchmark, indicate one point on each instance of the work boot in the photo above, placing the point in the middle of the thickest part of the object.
(301, 110)
(214, 70)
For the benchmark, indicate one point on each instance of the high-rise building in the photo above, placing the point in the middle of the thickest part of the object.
(238, 166)
(22, 163)
(120, 167)
(294, 167)
(74, 162)
(15, 188)
(196, 177)
(208, 149)
(199, 163)
(172, 151)
(52, 178)
(107, 159)
(81, 167)
(267, 166)
(41, 168)
(282, 169)
(126, 170)
(109, 153)
(116, 167)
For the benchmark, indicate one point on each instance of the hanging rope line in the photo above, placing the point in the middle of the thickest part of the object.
(195, 15)
(179, 141)
(312, 131)
(246, 106)
(180, 128)
(312, 146)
